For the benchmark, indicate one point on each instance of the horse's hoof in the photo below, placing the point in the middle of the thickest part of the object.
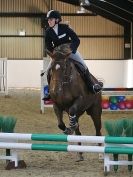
(101, 156)
(68, 131)
(80, 159)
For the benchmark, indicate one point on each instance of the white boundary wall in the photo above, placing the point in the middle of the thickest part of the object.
(26, 73)
(128, 73)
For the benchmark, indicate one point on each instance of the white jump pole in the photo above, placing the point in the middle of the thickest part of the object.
(112, 145)
(53, 147)
(52, 137)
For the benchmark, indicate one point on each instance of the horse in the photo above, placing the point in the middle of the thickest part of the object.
(70, 93)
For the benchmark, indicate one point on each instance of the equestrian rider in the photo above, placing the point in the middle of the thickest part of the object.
(57, 34)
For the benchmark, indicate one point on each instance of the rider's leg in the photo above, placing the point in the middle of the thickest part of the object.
(93, 87)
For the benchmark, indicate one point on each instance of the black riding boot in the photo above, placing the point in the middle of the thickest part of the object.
(93, 87)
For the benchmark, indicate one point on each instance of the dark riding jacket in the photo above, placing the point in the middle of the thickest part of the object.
(65, 35)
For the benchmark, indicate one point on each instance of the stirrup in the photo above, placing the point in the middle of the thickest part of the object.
(46, 97)
(100, 83)
(97, 88)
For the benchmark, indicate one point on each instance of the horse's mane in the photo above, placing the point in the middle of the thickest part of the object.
(61, 51)
(64, 49)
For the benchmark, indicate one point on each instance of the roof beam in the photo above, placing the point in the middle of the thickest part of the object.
(73, 2)
(22, 14)
(106, 15)
(124, 5)
(113, 10)
(39, 15)
(99, 11)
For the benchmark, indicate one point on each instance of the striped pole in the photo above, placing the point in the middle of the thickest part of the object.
(52, 137)
(66, 138)
(52, 147)
(113, 145)
(67, 148)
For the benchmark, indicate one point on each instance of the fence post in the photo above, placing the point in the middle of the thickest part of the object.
(3, 76)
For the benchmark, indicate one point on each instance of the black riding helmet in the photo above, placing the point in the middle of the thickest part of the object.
(54, 14)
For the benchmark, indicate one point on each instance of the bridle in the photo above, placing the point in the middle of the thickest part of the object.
(65, 68)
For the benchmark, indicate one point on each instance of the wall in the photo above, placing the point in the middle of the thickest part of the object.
(110, 71)
(100, 38)
(23, 73)
(128, 76)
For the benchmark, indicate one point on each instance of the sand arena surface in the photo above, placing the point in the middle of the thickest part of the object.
(24, 104)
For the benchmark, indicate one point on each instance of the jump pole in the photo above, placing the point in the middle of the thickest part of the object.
(51, 147)
(112, 145)
(51, 137)
(67, 148)
(66, 138)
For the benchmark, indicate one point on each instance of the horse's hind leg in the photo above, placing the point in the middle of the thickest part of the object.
(97, 124)
(61, 124)
(96, 117)
(80, 154)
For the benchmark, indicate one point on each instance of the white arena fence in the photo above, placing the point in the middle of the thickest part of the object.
(3, 76)
(44, 82)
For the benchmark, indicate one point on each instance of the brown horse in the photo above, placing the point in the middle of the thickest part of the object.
(70, 93)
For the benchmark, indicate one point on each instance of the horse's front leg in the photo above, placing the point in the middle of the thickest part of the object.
(59, 114)
(73, 118)
(74, 125)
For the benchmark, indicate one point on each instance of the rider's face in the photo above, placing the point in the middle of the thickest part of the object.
(51, 22)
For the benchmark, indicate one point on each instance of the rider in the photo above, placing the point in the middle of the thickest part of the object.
(57, 34)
